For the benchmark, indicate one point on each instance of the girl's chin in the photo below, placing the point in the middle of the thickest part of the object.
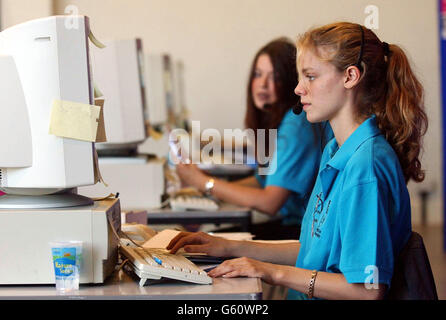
(311, 117)
(261, 106)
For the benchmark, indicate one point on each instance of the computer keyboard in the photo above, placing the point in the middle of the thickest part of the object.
(159, 263)
(184, 203)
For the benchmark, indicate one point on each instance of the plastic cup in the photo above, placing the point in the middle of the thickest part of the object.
(67, 257)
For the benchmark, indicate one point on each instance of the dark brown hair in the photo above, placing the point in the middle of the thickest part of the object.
(282, 53)
(388, 87)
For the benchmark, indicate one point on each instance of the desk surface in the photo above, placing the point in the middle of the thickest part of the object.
(121, 286)
(225, 210)
(227, 213)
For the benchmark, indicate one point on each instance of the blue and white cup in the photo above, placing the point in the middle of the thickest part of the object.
(66, 257)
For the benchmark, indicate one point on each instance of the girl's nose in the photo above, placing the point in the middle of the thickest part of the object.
(264, 81)
(299, 90)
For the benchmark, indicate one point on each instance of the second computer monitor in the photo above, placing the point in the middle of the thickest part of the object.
(165, 91)
(119, 75)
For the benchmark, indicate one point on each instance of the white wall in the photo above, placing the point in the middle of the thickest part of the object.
(216, 40)
(17, 11)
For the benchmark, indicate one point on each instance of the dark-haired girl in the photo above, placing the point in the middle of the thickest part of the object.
(284, 190)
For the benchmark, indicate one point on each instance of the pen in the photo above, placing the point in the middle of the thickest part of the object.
(157, 260)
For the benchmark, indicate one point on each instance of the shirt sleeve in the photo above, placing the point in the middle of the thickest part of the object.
(297, 155)
(260, 179)
(364, 223)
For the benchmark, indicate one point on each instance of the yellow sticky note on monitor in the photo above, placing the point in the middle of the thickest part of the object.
(95, 41)
(97, 92)
(100, 134)
(97, 172)
(74, 120)
(153, 133)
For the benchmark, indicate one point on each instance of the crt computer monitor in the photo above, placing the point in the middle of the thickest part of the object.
(165, 91)
(118, 72)
(169, 89)
(155, 89)
(180, 107)
(43, 60)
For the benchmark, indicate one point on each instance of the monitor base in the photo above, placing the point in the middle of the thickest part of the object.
(62, 200)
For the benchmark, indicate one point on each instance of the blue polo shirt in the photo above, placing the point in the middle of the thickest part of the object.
(297, 157)
(358, 217)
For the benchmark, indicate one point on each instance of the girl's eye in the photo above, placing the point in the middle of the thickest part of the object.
(257, 74)
(311, 78)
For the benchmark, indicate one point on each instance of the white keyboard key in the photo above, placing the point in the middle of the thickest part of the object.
(172, 266)
(193, 203)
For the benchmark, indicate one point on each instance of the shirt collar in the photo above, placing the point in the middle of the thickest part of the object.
(340, 155)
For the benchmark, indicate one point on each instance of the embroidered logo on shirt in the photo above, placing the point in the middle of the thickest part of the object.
(319, 216)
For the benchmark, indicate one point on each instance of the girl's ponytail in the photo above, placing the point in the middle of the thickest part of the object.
(401, 116)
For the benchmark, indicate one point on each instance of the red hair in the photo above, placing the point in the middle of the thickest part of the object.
(388, 87)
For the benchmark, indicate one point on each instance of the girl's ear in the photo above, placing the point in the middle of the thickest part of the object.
(352, 75)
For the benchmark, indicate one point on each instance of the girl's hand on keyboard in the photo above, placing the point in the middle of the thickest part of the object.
(245, 267)
(199, 242)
